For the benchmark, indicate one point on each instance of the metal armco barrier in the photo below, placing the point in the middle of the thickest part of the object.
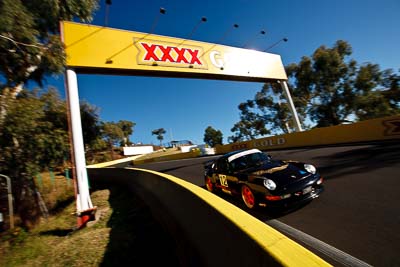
(208, 230)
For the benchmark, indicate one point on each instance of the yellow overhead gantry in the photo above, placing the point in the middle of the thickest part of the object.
(102, 50)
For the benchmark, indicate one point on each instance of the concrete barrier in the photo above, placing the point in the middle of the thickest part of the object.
(192, 154)
(118, 163)
(381, 129)
(208, 230)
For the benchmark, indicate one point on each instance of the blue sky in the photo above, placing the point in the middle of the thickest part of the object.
(185, 107)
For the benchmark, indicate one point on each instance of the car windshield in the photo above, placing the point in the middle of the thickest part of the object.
(248, 161)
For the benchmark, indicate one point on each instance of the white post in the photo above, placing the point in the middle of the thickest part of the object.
(292, 108)
(83, 201)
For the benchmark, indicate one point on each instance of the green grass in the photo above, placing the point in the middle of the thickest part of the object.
(125, 233)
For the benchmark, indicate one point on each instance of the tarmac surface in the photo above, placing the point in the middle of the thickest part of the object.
(359, 212)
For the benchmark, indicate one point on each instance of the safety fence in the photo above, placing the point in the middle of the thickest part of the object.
(53, 179)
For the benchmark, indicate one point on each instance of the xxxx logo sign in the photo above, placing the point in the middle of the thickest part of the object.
(169, 55)
(392, 127)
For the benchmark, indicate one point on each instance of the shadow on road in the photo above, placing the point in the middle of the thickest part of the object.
(361, 160)
(136, 238)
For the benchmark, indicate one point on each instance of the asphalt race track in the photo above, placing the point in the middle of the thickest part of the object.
(359, 212)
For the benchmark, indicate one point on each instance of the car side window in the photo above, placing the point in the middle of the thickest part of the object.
(239, 164)
(221, 166)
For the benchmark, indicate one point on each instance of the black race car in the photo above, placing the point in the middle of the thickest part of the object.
(261, 181)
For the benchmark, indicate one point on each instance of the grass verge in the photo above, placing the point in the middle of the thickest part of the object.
(124, 233)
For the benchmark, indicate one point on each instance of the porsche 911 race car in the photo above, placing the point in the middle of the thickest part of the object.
(261, 181)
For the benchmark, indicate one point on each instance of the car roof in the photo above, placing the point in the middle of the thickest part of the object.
(228, 155)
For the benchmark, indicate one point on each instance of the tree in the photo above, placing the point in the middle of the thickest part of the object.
(127, 129)
(391, 88)
(328, 88)
(250, 125)
(212, 137)
(267, 111)
(34, 137)
(32, 126)
(329, 83)
(338, 90)
(116, 133)
(30, 45)
(372, 103)
(91, 131)
(113, 135)
(90, 123)
(30, 142)
(160, 134)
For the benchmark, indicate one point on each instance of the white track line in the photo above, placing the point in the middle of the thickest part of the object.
(332, 252)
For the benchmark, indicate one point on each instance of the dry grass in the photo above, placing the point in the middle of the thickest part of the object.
(125, 233)
(55, 189)
(54, 243)
(160, 153)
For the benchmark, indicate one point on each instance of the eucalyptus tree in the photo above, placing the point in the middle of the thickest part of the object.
(127, 129)
(33, 138)
(159, 133)
(113, 135)
(212, 137)
(32, 134)
(328, 88)
(30, 44)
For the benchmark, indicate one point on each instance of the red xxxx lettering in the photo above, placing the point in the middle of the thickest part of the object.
(194, 53)
(166, 56)
(181, 55)
(166, 51)
(150, 52)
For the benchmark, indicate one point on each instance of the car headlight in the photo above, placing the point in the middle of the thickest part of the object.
(310, 168)
(269, 184)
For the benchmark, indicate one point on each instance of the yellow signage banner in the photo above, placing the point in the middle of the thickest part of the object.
(95, 49)
(381, 129)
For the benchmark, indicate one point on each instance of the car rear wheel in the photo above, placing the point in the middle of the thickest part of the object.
(248, 197)
(209, 184)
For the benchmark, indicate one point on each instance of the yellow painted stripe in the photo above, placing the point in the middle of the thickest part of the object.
(149, 159)
(113, 162)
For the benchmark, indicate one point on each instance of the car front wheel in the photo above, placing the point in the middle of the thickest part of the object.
(248, 197)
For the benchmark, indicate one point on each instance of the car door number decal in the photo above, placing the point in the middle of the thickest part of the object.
(223, 180)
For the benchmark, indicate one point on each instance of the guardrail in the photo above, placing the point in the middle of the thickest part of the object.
(208, 230)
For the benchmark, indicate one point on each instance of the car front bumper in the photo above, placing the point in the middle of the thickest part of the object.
(295, 198)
